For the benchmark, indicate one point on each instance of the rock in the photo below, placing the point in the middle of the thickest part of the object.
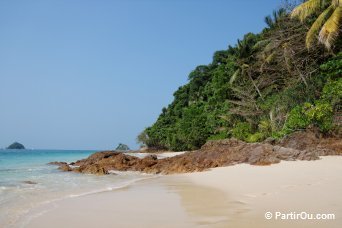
(149, 160)
(65, 167)
(270, 140)
(95, 169)
(313, 140)
(300, 140)
(263, 154)
(16, 146)
(29, 182)
(96, 157)
(61, 166)
(57, 163)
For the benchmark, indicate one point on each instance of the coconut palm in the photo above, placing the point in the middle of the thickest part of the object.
(277, 15)
(244, 51)
(328, 23)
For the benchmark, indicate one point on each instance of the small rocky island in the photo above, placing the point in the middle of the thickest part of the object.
(16, 146)
(122, 147)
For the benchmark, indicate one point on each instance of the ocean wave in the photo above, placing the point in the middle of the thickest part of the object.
(112, 188)
(97, 191)
(25, 169)
(33, 213)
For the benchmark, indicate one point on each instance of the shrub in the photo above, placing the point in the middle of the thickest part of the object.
(296, 120)
(332, 92)
(241, 131)
(332, 69)
(256, 137)
(221, 135)
(321, 115)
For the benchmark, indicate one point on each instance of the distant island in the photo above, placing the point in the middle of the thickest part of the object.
(122, 147)
(16, 146)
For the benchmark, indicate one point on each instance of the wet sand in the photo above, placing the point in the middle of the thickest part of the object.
(170, 201)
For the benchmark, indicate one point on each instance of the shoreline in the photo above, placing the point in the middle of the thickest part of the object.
(236, 196)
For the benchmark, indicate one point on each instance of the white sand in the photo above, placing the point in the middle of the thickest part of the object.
(159, 155)
(235, 196)
(169, 154)
(299, 186)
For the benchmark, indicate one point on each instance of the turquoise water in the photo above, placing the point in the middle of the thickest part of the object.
(22, 164)
(18, 199)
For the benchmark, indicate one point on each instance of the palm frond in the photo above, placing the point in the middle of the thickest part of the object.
(270, 57)
(331, 28)
(260, 44)
(275, 15)
(311, 36)
(271, 46)
(281, 12)
(336, 3)
(306, 9)
(269, 21)
(234, 76)
(244, 66)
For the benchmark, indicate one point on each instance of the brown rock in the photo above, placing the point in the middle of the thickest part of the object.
(65, 167)
(29, 182)
(263, 154)
(270, 140)
(57, 163)
(313, 141)
(95, 169)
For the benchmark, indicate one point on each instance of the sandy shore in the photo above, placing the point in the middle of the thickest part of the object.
(235, 196)
(298, 186)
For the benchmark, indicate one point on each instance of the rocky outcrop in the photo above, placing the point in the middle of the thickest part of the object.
(314, 141)
(61, 166)
(299, 146)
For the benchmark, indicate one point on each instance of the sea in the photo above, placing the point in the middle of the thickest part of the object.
(28, 182)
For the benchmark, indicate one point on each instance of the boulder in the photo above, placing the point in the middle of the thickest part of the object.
(57, 163)
(29, 182)
(65, 167)
(95, 169)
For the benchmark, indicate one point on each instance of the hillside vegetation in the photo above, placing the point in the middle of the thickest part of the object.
(268, 85)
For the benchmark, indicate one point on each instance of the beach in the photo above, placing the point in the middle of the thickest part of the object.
(233, 196)
(171, 114)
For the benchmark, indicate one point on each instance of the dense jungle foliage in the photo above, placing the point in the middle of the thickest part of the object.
(267, 85)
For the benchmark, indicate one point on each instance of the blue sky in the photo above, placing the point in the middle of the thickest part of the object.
(91, 74)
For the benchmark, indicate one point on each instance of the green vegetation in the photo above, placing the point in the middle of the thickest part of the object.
(327, 25)
(320, 112)
(267, 85)
(16, 146)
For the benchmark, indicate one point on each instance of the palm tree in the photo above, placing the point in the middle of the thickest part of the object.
(328, 23)
(277, 15)
(244, 51)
